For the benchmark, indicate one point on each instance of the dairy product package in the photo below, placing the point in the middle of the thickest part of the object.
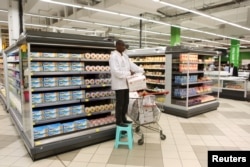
(50, 82)
(77, 81)
(37, 98)
(36, 54)
(63, 55)
(50, 55)
(65, 95)
(54, 129)
(78, 109)
(68, 127)
(40, 132)
(64, 111)
(78, 94)
(50, 113)
(36, 82)
(50, 97)
(64, 81)
(37, 115)
(81, 124)
(64, 66)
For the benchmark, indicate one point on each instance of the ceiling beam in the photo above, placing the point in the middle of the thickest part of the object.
(29, 5)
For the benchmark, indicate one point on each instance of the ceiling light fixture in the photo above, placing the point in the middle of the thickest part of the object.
(202, 14)
(1, 10)
(35, 15)
(100, 10)
(62, 3)
(122, 27)
(149, 20)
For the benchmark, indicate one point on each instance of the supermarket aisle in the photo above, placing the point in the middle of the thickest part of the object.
(186, 145)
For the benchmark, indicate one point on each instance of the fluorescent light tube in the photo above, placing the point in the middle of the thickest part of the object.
(62, 3)
(100, 10)
(203, 14)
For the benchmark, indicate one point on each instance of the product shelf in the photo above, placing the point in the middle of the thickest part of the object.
(192, 83)
(180, 61)
(93, 60)
(184, 97)
(154, 75)
(154, 68)
(154, 83)
(151, 62)
(37, 44)
(54, 59)
(95, 72)
(13, 69)
(17, 79)
(66, 136)
(97, 99)
(57, 103)
(95, 86)
(83, 115)
(13, 61)
(53, 73)
(18, 88)
(41, 89)
(188, 72)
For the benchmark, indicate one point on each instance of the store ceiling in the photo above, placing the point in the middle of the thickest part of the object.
(235, 11)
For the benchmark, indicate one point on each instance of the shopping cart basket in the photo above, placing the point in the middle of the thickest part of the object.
(145, 113)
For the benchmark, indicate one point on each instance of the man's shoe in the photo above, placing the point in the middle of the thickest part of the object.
(122, 125)
(127, 122)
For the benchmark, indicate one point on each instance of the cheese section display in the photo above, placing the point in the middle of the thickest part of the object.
(59, 103)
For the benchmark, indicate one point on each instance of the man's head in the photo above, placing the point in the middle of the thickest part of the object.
(120, 46)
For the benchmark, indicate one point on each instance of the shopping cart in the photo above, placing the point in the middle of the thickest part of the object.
(145, 113)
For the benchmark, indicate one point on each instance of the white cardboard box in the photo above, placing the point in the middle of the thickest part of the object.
(136, 82)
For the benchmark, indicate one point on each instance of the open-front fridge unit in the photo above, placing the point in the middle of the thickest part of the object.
(152, 60)
(190, 90)
(59, 91)
(2, 78)
(180, 71)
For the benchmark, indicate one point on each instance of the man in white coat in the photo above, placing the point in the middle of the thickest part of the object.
(121, 67)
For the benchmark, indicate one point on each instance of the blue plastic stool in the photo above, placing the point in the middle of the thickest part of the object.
(129, 135)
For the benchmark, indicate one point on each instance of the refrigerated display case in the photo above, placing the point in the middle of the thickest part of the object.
(229, 86)
(59, 91)
(191, 90)
(2, 79)
(182, 74)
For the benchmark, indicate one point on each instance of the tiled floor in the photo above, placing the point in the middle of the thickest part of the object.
(186, 145)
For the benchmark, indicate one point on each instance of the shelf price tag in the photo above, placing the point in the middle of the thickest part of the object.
(104, 85)
(33, 106)
(88, 86)
(86, 99)
(37, 143)
(89, 114)
(97, 130)
(24, 48)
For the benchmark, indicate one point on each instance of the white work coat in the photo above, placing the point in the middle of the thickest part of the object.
(121, 67)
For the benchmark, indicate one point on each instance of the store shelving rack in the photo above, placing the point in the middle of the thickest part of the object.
(188, 110)
(21, 115)
(166, 102)
(2, 78)
(152, 60)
